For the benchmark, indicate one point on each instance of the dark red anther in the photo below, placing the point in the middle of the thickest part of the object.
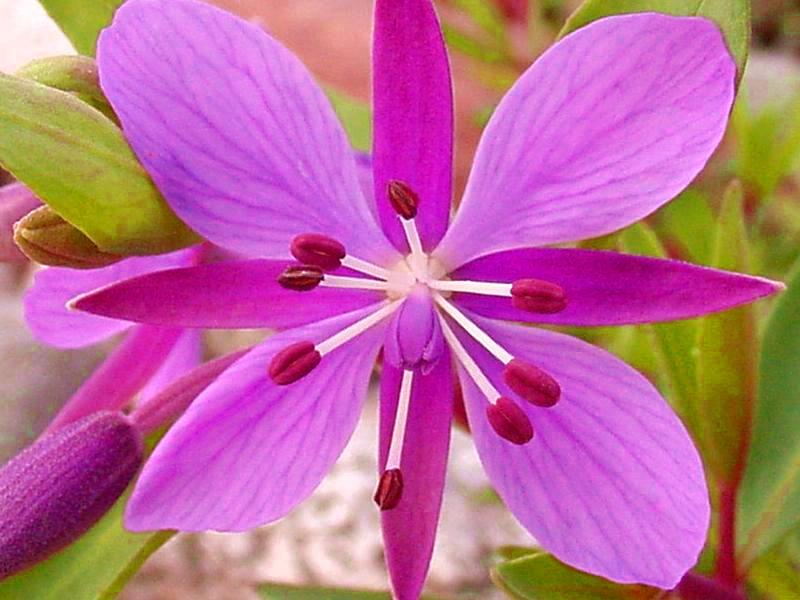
(318, 250)
(294, 362)
(536, 296)
(404, 200)
(509, 421)
(301, 278)
(531, 383)
(390, 489)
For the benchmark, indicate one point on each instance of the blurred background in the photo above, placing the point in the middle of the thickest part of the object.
(334, 537)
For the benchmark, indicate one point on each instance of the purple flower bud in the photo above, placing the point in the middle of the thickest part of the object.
(414, 339)
(56, 489)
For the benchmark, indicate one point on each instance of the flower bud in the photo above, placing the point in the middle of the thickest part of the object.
(56, 489)
(414, 338)
(16, 201)
(48, 239)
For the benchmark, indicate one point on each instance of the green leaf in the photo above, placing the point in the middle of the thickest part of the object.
(277, 591)
(674, 342)
(776, 577)
(686, 221)
(78, 162)
(82, 21)
(96, 567)
(542, 577)
(356, 117)
(769, 501)
(732, 16)
(728, 348)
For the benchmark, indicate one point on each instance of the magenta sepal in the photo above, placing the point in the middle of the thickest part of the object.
(56, 489)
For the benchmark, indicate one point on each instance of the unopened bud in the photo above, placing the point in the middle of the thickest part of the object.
(533, 295)
(301, 278)
(531, 383)
(48, 239)
(509, 421)
(403, 199)
(414, 338)
(16, 201)
(56, 489)
(390, 489)
(294, 362)
(318, 250)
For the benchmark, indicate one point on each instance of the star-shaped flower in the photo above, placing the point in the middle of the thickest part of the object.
(604, 128)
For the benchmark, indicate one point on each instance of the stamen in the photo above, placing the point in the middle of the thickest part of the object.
(362, 266)
(294, 362)
(348, 333)
(476, 332)
(301, 278)
(509, 421)
(536, 296)
(403, 199)
(318, 250)
(486, 288)
(390, 489)
(400, 421)
(354, 283)
(531, 383)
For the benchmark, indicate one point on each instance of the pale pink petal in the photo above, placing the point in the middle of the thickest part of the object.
(609, 124)
(611, 483)
(186, 354)
(235, 133)
(247, 450)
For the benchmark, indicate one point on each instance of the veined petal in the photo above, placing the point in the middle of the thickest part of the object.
(247, 450)
(16, 201)
(237, 136)
(609, 288)
(53, 323)
(413, 116)
(228, 295)
(409, 529)
(609, 124)
(611, 483)
(185, 355)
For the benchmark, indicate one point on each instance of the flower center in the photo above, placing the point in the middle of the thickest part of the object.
(418, 300)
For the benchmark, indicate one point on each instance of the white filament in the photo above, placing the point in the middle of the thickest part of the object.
(354, 283)
(367, 268)
(400, 421)
(357, 328)
(472, 287)
(476, 332)
(470, 366)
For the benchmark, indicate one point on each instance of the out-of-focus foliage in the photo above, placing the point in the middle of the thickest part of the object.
(277, 591)
(82, 21)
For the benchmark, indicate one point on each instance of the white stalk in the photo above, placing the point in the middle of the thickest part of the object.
(362, 266)
(485, 288)
(400, 421)
(470, 366)
(480, 336)
(357, 328)
(354, 283)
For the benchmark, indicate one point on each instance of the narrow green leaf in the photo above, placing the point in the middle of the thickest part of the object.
(278, 591)
(95, 567)
(487, 16)
(82, 21)
(732, 16)
(728, 347)
(674, 342)
(542, 577)
(769, 501)
(776, 577)
(686, 222)
(78, 162)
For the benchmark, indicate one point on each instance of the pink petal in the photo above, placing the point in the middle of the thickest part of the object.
(413, 115)
(53, 323)
(240, 140)
(126, 370)
(16, 201)
(186, 354)
(608, 125)
(409, 529)
(247, 450)
(611, 483)
(232, 294)
(608, 288)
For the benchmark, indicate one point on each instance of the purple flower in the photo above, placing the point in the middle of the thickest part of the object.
(607, 126)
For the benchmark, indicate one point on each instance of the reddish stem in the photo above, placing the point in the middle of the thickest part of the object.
(697, 587)
(726, 572)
